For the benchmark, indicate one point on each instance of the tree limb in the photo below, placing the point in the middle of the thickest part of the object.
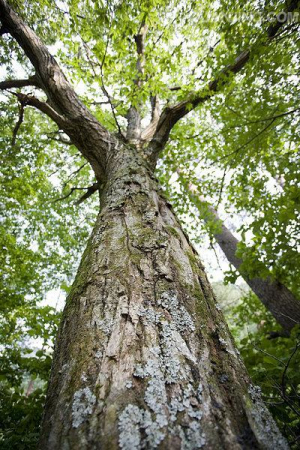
(8, 84)
(90, 191)
(41, 106)
(149, 131)
(133, 115)
(52, 78)
(79, 124)
(73, 174)
(18, 124)
(171, 115)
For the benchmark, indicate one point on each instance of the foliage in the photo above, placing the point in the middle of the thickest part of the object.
(239, 150)
(272, 361)
(40, 241)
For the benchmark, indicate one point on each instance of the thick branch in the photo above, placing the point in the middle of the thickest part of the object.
(149, 131)
(80, 125)
(170, 116)
(8, 84)
(133, 115)
(52, 78)
(41, 106)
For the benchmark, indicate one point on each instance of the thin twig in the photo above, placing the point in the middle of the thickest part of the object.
(73, 189)
(73, 174)
(250, 122)
(244, 145)
(221, 188)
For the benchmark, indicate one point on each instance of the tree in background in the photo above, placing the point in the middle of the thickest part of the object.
(276, 297)
(140, 315)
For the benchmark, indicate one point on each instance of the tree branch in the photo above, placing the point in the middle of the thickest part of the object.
(237, 150)
(73, 174)
(149, 131)
(41, 106)
(90, 191)
(171, 115)
(51, 77)
(79, 124)
(8, 84)
(265, 119)
(133, 115)
(18, 124)
(73, 189)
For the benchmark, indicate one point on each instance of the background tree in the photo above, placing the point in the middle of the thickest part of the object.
(276, 297)
(133, 247)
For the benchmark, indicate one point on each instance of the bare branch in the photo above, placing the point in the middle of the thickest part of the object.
(8, 84)
(90, 191)
(41, 106)
(73, 189)
(73, 174)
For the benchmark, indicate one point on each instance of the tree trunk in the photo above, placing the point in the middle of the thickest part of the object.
(277, 298)
(144, 358)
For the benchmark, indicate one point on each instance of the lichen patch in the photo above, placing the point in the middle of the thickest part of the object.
(83, 403)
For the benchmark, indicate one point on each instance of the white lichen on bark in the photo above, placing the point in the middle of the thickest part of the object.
(82, 407)
(141, 323)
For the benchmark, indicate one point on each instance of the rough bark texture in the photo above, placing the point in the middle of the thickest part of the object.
(144, 358)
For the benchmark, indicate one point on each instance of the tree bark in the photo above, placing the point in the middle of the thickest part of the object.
(144, 358)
